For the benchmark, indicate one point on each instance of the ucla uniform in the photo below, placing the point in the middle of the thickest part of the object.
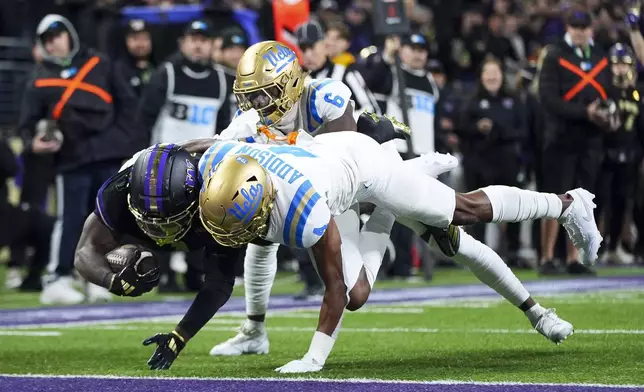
(323, 100)
(326, 177)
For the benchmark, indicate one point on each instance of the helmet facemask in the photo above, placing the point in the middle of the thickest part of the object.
(270, 88)
(164, 230)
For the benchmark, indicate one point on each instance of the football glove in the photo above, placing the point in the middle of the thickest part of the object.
(305, 365)
(169, 345)
(633, 14)
(129, 283)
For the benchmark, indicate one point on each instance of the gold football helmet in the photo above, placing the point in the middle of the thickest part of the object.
(269, 79)
(236, 201)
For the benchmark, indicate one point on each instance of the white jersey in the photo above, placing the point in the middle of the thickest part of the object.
(322, 100)
(311, 185)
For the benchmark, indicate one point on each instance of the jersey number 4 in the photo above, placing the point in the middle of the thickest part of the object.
(334, 100)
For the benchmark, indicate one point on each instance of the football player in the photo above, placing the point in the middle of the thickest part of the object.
(153, 198)
(270, 80)
(622, 151)
(301, 197)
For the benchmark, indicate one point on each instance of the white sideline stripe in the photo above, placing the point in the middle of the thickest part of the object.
(30, 333)
(400, 330)
(325, 380)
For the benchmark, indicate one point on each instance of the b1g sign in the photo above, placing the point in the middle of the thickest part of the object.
(389, 17)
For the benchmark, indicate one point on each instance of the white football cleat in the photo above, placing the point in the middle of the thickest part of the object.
(304, 365)
(552, 327)
(97, 293)
(249, 340)
(14, 278)
(434, 164)
(60, 291)
(579, 222)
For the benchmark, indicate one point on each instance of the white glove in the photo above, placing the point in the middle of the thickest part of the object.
(242, 126)
(305, 365)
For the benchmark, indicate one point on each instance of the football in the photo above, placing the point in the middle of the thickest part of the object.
(127, 254)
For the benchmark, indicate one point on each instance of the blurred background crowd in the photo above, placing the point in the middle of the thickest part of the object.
(471, 68)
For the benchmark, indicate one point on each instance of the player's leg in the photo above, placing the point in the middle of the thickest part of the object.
(372, 245)
(490, 269)
(435, 204)
(260, 266)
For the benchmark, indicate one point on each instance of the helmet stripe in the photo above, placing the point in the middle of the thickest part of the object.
(160, 173)
(147, 181)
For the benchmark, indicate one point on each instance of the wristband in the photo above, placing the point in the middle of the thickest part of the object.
(321, 346)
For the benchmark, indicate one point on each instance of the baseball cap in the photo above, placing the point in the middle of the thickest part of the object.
(233, 37)
(199, 26)
(415, 40)
(136, 26)
(52, 30)
(579, 19)
(308, 33)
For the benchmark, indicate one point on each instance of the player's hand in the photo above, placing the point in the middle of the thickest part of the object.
(633, 14)
(128, 286)
(304, 365)
(169, 345)
(40, 146)
(242, 126)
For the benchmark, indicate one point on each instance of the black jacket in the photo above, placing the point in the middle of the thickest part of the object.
(86, 118)
(566, 120)
(501, 146)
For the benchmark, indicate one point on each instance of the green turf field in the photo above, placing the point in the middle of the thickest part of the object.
(480, 339)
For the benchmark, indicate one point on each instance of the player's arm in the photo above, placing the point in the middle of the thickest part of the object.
(215, 292)
(197, 146)
(346, 122)
(328, 256)
(334, 107)
(96, 240)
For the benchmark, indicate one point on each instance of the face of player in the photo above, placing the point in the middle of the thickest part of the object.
(580, 36)
(623, 74)
(492, 77)
(196, 48)
(58, 45)
(314, 56)
(230, 56)
(335, 44)
(414, 57)
(139, 45)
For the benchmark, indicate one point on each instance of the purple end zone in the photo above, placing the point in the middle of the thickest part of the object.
(61, 384)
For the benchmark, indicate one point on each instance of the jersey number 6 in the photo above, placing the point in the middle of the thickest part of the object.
(335, 101)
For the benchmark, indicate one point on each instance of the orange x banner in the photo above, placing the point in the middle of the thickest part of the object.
(586, 78)
(75, 84)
